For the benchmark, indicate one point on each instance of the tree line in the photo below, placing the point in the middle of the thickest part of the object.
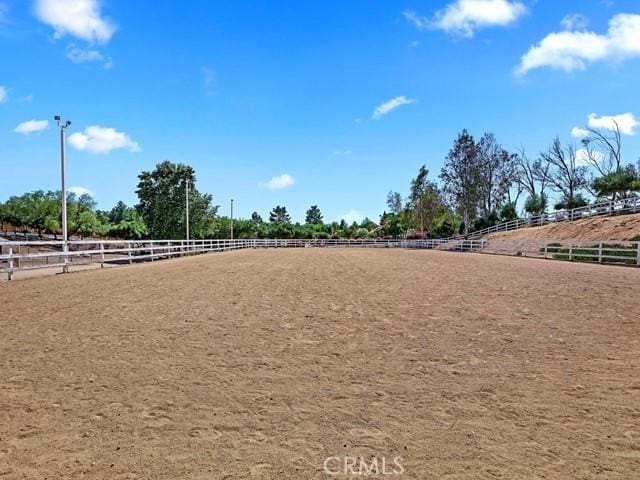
(161, 214)
(480, 184)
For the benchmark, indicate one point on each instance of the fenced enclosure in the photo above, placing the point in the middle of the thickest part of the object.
(29, 255)
(619, 207)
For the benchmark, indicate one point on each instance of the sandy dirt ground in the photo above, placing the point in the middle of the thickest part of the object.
(263, 364)
(623, 227)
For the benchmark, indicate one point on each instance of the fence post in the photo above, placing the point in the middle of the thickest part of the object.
(546, 245)
(10, 271)
(638, 255)
(101, 254)
(129, 252)
(570, 251)
(600, 253)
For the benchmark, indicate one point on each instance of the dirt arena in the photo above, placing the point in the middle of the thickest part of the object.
(264, 364)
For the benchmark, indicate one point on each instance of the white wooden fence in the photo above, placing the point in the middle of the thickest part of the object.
(16, 256)
(618, 207)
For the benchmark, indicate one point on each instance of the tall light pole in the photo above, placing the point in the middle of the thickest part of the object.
(65, 247)
(186, 192)
(232, 219)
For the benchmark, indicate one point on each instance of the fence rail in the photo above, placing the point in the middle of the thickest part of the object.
(27, 255)
(618, 207)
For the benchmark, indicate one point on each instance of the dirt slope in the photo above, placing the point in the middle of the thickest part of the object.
(623, 227)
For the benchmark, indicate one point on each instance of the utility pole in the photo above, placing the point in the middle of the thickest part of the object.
(63, 193)
(232, 219)
(186, 192)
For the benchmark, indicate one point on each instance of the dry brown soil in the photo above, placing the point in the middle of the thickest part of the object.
(622, 227)
(262, 364)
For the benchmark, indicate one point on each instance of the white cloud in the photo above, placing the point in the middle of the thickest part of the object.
(83, 55)
(574, 21)
(392, 104)
(279, 182)
(79, 18)
(626, 122)
(352, 216)
(578, 132)
(421, 23)
(574, 50)
(31, 126)
(25, 99)
(464, 17)
(342, 153)
(79, 191)
(3, 94)
(97, 139)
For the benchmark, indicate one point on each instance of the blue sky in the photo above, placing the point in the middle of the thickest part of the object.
(273, 102)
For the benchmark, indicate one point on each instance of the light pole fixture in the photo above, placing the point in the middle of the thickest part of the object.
(63, 194)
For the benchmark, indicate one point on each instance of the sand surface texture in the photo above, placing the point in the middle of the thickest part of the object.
(261, 364)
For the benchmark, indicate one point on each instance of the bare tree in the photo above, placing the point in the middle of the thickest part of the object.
(564, 174)
(531, 175)
(604, 150)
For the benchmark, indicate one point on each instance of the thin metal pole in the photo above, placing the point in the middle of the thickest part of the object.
(186, 188)
(232, 219)
(65, 246)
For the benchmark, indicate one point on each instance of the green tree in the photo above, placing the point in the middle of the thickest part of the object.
(314, 217)
(126, 223)
(536, 203)
(619, 183)
(256, 218)
(86, 224)
(425, 199)
(508, 212)
(497, 173)
(361, 233)
(162, 202)
(390, 223)
(568, 203)
(279, 215)
(394, 202)
(461, 176)
(119, 212)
